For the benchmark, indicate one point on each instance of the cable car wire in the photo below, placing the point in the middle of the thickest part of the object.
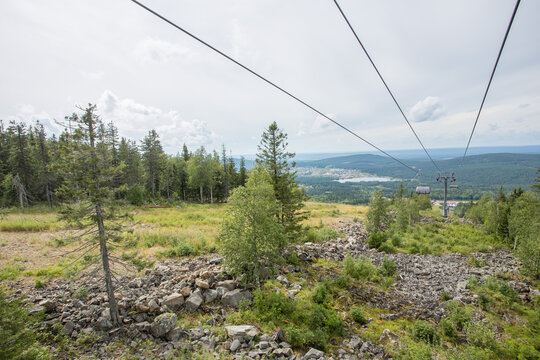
(384, 82)
(490, 78)
(270, 83)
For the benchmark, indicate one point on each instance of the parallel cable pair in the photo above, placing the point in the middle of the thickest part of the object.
(374, 66)
(271, 83)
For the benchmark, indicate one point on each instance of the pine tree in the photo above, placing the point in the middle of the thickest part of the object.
(274, 158)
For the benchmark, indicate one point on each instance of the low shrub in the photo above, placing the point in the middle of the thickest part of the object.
(342, 282)
(321, 294)
(396, 240)
(361, 269)
(183, 249)
(38, 284)
(445, 296)
(388, 267)
(458, 314)
(447, 329)
(422, 330)
(387, 248)
(376, 239)
(17, 338)
(481, 335)
(271, 305)
(358, 315)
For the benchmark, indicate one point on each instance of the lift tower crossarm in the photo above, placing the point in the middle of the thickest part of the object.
(445, 176)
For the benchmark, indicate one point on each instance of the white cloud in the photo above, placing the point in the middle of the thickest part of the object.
(320, 125)
(92, 75)
(135, 120)
(27, 114)
(152, 50)
(425, 110)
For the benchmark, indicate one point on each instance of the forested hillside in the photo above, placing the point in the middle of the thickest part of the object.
(479, 173)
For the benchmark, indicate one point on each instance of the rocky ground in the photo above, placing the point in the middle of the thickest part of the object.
(149, 304)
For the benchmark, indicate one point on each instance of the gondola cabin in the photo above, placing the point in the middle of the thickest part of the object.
(423, 190)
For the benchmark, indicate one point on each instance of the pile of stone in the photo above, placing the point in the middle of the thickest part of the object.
(421, 279)
(145, 303)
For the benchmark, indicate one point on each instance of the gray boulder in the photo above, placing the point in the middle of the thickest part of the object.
(104, 323)
(227, 284)
(313, 354)
(241, 331)
(174, 301)
(235, 297)
(235, 345)
(163, 324)
(194, 301)
(210, 295)
(175, 334)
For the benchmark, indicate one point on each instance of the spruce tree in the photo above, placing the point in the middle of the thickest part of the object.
(153, 157)
(276, 160)
(89, 179)
(242, 173)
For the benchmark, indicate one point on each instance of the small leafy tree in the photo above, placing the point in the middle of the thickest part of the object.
(377, 214)
(251, 237)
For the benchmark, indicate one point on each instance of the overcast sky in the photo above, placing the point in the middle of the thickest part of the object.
(436, 56)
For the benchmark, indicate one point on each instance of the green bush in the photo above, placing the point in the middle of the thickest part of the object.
(16, 335)
(422, 330)
(445, 296)
(458, 314)
(271, 305)
(308, 320)
(320, 235)
(387, 248)
(358, 315)
(296, 337)
(183, 249)
(484, 300)
(376, 239)
(481, 335)
(388, 267)
(396, 240)
(38, 284)
(321, 294)
(361, 269)
(342, 282)
(447, 329)
(135, 195)
(292, 259)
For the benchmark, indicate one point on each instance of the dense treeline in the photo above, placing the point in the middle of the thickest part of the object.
(514, 219)
(32, 171)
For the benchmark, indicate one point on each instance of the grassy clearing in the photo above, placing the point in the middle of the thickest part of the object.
(437, 238)
(31, 222)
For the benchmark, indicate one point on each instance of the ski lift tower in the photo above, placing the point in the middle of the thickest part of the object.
(445, 176)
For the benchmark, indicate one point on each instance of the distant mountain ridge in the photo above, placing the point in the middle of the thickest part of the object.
(419, 154)
(488, 169)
